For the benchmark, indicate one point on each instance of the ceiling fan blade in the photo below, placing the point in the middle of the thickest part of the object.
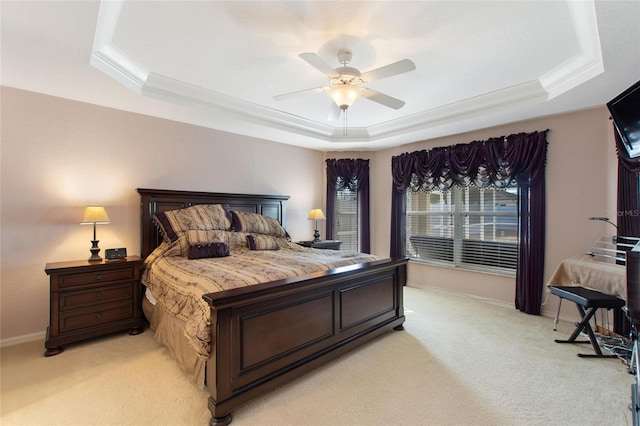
(318, 63)
(298, 93)
(390, 70)
(334, 112)
(382, 99)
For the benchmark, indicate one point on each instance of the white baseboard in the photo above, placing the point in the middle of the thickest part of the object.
(22, 339)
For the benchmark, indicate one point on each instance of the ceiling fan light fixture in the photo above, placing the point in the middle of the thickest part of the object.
(344, 95)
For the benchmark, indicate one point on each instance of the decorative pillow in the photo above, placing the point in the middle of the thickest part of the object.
(262, 242)
(173, 223)
(257, 224)
(192, 237)
(208, 250)
(236, 240)
(203, 237)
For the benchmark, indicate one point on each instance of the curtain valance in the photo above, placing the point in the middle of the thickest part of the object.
(347, 174)
(496, 162)
(628, 163)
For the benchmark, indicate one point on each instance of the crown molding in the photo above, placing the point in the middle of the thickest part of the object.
(117, 64)
(587, 63)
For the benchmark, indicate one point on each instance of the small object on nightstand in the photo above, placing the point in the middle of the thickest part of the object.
(322, 244)
(114, 254)
(92, 298)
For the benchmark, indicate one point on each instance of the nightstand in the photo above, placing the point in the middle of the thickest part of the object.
(91, 299)
(322, 244)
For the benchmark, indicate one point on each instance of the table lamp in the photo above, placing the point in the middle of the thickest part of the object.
(316, 214)
(94, 215)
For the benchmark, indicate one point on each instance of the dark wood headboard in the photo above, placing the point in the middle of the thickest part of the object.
(158, 200)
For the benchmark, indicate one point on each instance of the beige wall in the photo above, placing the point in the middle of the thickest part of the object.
(57, 156)
(581, 182)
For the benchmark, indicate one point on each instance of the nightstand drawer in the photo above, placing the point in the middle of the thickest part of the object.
(96, 296)
(77, 320)
(73, 280)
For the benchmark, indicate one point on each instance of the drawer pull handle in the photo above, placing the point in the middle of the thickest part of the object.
(98, 315)
(98, 295)
(99, 277)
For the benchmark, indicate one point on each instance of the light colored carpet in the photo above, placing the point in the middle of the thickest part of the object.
(459, 361)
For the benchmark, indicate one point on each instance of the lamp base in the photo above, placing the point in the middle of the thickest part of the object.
(94, 251)
(316, 236)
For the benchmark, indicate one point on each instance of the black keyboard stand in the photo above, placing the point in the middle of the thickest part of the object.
(588, 302)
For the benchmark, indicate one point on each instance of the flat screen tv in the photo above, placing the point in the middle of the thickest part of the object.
(625, 112)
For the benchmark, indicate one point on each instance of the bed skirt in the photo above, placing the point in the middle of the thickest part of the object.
(169, 331)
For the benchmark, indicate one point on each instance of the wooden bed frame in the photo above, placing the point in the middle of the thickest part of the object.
(270, 333)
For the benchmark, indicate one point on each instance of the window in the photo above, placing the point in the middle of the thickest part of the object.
(465, 227)
(348, 203)
(346, 218)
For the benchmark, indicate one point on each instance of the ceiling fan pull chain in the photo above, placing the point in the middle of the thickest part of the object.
(344, 122)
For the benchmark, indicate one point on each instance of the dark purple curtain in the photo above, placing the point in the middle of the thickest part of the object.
(496, 162)
(354, 175)
(628, 214)
(398, 224)
(628, 219)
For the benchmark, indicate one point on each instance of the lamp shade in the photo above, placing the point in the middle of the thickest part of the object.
(344, 95)
(94, 214)
(316, 214)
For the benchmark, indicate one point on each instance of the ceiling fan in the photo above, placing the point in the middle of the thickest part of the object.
(345, 82)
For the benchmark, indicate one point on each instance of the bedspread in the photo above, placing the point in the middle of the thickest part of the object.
(178, 283)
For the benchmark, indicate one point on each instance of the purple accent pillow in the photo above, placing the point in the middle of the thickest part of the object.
(262, 242)
(162, 223)
(208, 250)
(236, 225)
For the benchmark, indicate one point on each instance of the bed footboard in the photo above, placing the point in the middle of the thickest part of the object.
(271, 333)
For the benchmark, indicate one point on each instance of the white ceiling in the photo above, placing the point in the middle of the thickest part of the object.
(220, 63)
